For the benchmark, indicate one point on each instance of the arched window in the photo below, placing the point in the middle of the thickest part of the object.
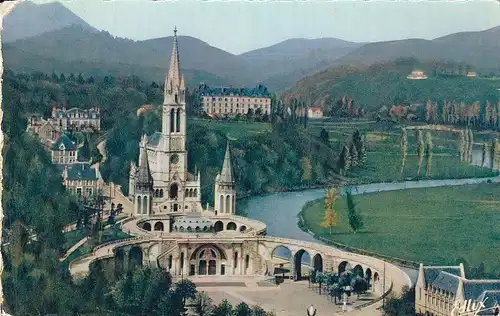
(221, 204)
(187, 192)
(247, 262)
(174, 191)
(178, 121)
(172, 120)
(161, 193)
(228, 204)
(145, 208)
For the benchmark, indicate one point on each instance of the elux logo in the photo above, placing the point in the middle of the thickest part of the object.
(469, 308)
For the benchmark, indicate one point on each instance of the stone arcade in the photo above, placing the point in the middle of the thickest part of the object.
(174, 232)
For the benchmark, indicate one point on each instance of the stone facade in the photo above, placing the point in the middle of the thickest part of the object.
(233, 101)
(173, 188)
(439, 288)
(82, 179)
(64, 151)
(76, 119)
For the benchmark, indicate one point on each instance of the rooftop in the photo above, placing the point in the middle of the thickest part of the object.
(260, 91)
(64, 143)
(82, 171)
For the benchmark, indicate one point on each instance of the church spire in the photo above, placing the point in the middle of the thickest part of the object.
(173, 79)
(226, 174)
(144, 178)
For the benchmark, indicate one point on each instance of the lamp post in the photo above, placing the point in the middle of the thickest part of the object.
(311, 311)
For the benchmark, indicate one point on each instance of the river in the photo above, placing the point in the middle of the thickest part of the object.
(279, 210)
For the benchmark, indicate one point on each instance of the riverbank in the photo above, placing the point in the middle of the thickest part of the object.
(431, 225)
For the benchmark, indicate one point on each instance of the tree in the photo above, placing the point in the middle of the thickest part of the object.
(330, 218)
(258, 311)
(360, 146)
(242, 309)
(403, 305)
(325, 136)
(344, 162)
(186, 289)
(466, 145)
(359, 285)
(420, 150)
(203, 304)
(493, 153)
(428, 154)
(484, 153)
(355, 219)
(461, 145)
(471, 143)
(354, 155)
(223, 309)
(404, 150)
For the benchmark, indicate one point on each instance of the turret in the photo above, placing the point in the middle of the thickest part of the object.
(143, 183)
(225, 187)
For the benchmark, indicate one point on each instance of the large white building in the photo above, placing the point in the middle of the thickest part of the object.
(161, 183)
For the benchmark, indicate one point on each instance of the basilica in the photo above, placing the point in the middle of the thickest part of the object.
(160, 183)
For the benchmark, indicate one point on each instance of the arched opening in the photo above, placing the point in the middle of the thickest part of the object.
(302, 261)
(221, 204)
(135, 257)
(161, 193)
(343, 266)
(358, 270)
(228, 204)
(139, 204)
(375, 281)
(195, 193)
(176, 207)
(178, 120)
(218, 226)
(172, 120)
(157, 193)
(146, 226)
(231, 226)
(233, 207)
(187, 193)
(208, 258)
(247, 263)
(182, 263)
(368, 275)
(119, 262)
(145, 208)
(173, 191)
(235, 261)
(318, 263)
(159, 226)
(281, 257)
(170, 260)
(243, 228)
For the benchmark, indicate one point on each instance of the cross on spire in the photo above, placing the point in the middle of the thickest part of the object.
(175, 30)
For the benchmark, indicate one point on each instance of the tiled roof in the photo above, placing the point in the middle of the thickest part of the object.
(82, 171)
(64, 143)
(447, 282)
(259, 91)
(431, 273)
(473, 289)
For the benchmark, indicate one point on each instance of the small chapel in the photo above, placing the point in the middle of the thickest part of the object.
(160, 182)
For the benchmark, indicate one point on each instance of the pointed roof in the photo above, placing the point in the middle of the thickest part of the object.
(226, 174)
(64, 143)
(174, 77)
(143, 173)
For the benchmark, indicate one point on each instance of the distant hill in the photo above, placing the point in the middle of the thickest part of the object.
(479, 49)
(95, 53)
(386, 84)
(42, 18)
(281, 64)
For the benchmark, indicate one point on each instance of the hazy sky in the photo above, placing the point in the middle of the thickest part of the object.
(239, 26)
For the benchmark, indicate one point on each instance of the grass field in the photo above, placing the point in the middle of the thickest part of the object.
(432, 225)
(234, 129)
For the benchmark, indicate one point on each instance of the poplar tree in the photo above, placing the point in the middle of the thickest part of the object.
(461, 144)
(330, 218)
(428, 153)
(493, 153)
(466, 145)
(353, 152)
(355, 220)
(483, 154)
(404, 149)
(471, 143)
(420, 151)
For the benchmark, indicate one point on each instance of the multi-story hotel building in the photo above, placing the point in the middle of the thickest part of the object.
(439, 290)
(233, 101)
(64, 151)
(77, 119)
(82, 180)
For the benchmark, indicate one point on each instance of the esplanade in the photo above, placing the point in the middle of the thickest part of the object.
(173, 231)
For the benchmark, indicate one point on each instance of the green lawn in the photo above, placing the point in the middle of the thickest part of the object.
(432, 225)
(234, 129)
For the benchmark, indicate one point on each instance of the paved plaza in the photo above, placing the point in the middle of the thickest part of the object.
(288, 299)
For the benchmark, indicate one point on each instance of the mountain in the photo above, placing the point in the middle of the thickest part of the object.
(76, 48)
(386, 83)
(479, 49)
(42, 18)
(279, 65)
